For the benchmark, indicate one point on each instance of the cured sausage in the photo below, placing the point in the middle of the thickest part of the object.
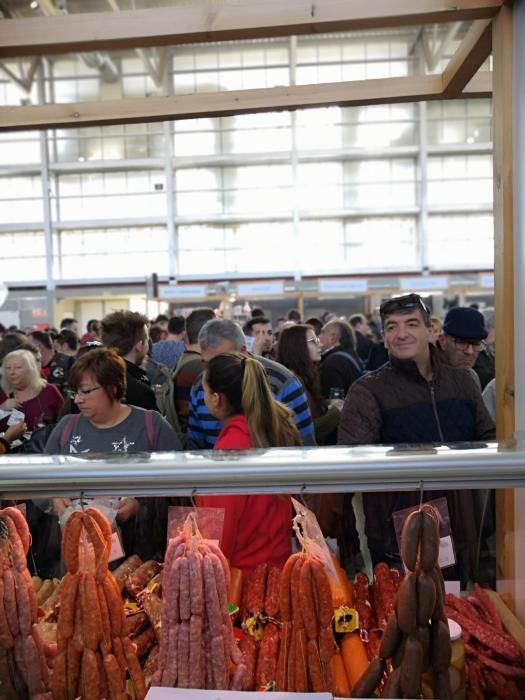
(249, 649)
(271, 598)
(268, 657)
(440, 646)
(284, 651)
(324, 596)
(23, 604)
(114, 602)
(103, 524)
(410, 539)
(21, 526)
(100, 547)
(18, 553)
(90, 681)
(285, 603)
(391, 638)
(66, 616)
(256, 589)
(137, 581)
(429, 551)
(195, 582)
(71, 541)
(195, 652)
(74, 659)
(315, 670)
(58, 679)
(306, 601)
(91, 617)
(411, 667)
(184, 589)
(406, 604)
(135, 671)
(114, 676)
(369, 681)
(426, 598)
(183, 652)
(124, 571)
(6, 638)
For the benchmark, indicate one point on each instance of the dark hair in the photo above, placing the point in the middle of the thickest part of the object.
(108, 368)
(123, 330)
(316, 324)
(243, 382)
(256, 320)
(156, 333)
(176, 325)
(161, 318)
(292, 352)
(356, 319)
(88, 347)
(42, 337)
(294, 315)
(31, 347)
(93, 326)
(196, 320)
(11, 341)
(68, 337)
(67, 322)
(346, 334)
(257, 311)
(404, 304)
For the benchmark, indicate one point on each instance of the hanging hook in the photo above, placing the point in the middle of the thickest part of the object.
(421, 493)
(301, 494)
(82, 500)
(192, 499)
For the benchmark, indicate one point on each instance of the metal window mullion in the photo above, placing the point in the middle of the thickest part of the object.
(296, 225)
(46, 200)
(423, 189)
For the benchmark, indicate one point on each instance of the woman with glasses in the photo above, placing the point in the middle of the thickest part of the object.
(299, 349)
(25, 391)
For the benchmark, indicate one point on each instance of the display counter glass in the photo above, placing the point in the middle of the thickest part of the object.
(369, 570)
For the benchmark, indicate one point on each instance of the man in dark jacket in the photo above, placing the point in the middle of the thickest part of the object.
(413, 398)
(127, 332)
(340, 365)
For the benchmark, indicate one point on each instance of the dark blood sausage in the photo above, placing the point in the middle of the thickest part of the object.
(370, 679)
(411, 667)
(406, 604)
(392, 688)
(426, 598)
(391, 638)
(440, 646)
(410, 538)
(429, 551)
(137, 581)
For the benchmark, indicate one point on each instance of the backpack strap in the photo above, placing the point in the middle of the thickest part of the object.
(150, 430)
(68, 429)
(343, 353)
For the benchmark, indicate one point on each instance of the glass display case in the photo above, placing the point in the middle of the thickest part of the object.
(124, 579)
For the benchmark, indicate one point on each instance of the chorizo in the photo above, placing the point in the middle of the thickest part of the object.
(267, 658)
(271, 597)
(74, 660)
(256, 588)
(324, 596)
(28, 662)
(410, 539)
(315, 670)
(282, 664)
(103, 524)
(285, 604)
(327, 645)
(58, 677)
(406, 604)
(23, 604)
(21, 525)
(89, 676)
(33, 608)
(44, 671)
(249, 649)
(114, 603)
(6, 638)
(71, 541)
(17, 551)
(306, 601)
(105, 632)
(100, 547)
(301, 661)
(66, 615)
(118, 653)
(116, 681)
(135, 671)
(91, 617)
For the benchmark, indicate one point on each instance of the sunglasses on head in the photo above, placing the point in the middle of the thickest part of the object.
(408, 301)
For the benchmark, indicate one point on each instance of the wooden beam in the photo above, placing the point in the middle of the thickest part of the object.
(480, 85)
(470, 54)
(224, 20)
(151, 109)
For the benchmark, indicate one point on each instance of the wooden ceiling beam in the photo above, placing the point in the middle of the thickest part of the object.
(151, 109)
(223, 20)
(466, 61)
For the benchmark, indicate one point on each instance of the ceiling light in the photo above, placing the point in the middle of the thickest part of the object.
(34, 5)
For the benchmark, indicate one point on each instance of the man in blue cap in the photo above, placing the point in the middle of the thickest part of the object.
(462, 336)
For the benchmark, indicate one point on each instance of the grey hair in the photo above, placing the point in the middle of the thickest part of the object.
(216, 330)
(35, 381)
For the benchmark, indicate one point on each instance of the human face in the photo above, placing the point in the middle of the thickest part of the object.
(74, 328)
(314, 346)
(328, 337)
(222, 347)
(142, 347)
(91, 399)
(406, 337)
(263, 334)
(459, 352)
(16, 373)
(212, 399)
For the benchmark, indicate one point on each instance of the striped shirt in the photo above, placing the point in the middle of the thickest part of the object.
(203, 428)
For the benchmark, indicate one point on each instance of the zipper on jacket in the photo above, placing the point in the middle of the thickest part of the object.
(434, 408)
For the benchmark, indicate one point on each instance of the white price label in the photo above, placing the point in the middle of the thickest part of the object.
(116, 551)
(446, 552)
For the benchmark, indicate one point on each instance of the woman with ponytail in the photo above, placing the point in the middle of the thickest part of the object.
(257, 529)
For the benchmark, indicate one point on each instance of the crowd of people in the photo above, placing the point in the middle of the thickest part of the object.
(129, 385)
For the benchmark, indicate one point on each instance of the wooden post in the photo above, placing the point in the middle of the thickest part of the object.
(507, 546)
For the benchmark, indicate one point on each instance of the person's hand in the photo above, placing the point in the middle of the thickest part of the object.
(15, 431)
(128, 508)
(9, 404)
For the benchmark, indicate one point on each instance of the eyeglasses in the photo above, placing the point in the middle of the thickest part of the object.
(315, 340)
(463, 344)
(408, 301)
(85, 392)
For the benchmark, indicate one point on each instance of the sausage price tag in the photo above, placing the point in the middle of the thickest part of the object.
(346, 619)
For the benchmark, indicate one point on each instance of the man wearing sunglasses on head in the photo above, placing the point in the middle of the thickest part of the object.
(413, 398)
